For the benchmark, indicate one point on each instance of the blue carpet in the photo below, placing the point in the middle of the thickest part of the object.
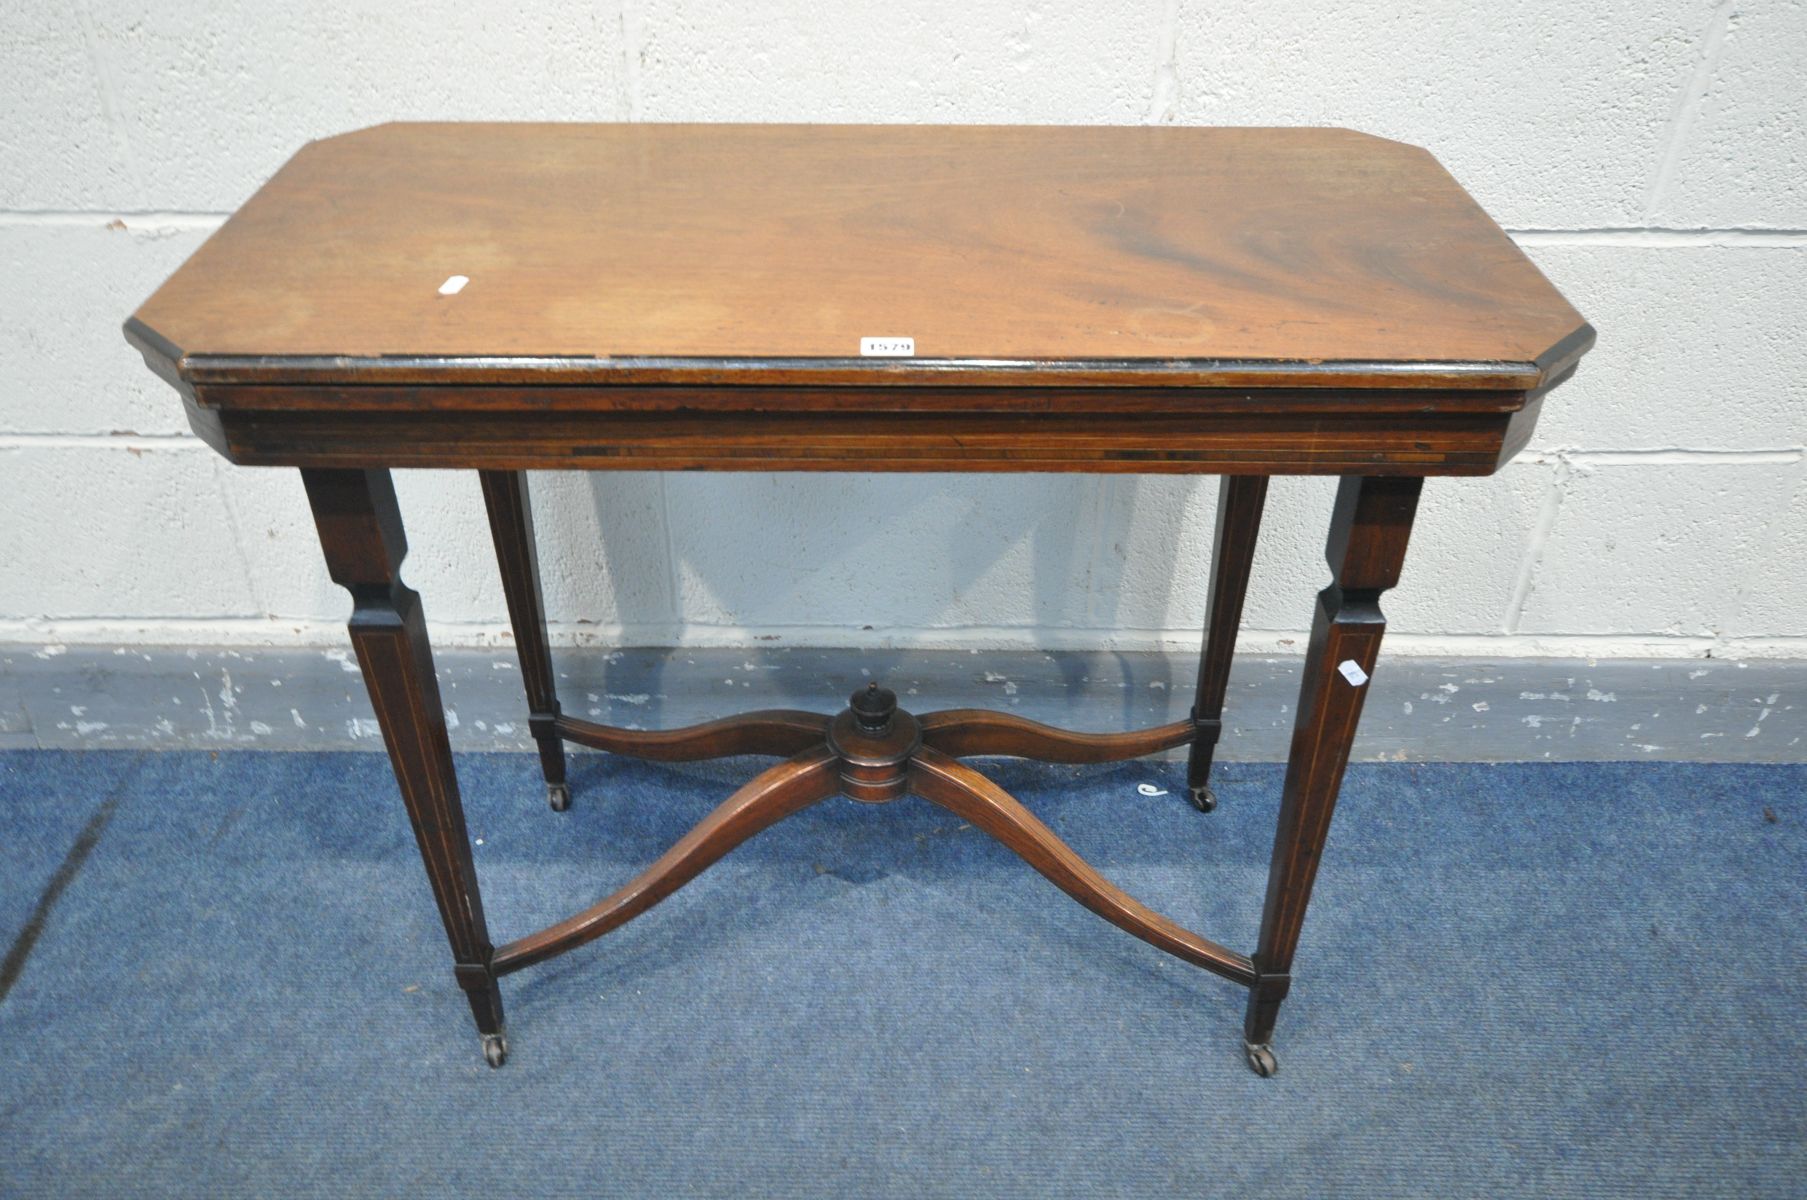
(1549, 980)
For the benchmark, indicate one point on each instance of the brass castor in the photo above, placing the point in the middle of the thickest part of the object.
(1261, 1058)
(1203, 798)
(495, 1048)
(558, 795)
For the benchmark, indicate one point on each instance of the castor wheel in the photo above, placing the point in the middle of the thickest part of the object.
(1261, 1058)
(495, 1048)
(1203, 798)
(558, 795)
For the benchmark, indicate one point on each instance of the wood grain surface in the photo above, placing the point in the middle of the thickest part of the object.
(706, 254)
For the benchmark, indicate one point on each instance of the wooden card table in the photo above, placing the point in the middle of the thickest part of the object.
(1234, 302)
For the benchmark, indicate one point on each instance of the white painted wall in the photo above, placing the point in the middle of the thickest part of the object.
(1651, 156)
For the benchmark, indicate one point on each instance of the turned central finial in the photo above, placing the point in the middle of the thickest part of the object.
(874, 740)
(873, 708)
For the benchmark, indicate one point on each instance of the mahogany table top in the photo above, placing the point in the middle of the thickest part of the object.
(674, 253)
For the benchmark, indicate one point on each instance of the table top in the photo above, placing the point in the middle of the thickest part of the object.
(648, 254)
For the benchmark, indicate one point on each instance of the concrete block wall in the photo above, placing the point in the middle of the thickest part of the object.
(1650, 156)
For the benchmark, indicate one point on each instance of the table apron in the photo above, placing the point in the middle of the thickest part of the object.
(1211, 442)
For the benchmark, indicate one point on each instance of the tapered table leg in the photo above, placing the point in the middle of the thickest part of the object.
(511, 528)
(361, 534)
(1240, 499)
(1368, 534)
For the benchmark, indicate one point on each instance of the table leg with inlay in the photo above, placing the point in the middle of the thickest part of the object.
(511, 529)
(361, 534)
(1368, 532)
(1240, 499)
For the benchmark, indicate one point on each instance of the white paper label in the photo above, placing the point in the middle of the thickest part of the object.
(454, 285)
(888, 347)
(1352, 671)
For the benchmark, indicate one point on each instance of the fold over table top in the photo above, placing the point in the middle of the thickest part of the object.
(764, 254)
